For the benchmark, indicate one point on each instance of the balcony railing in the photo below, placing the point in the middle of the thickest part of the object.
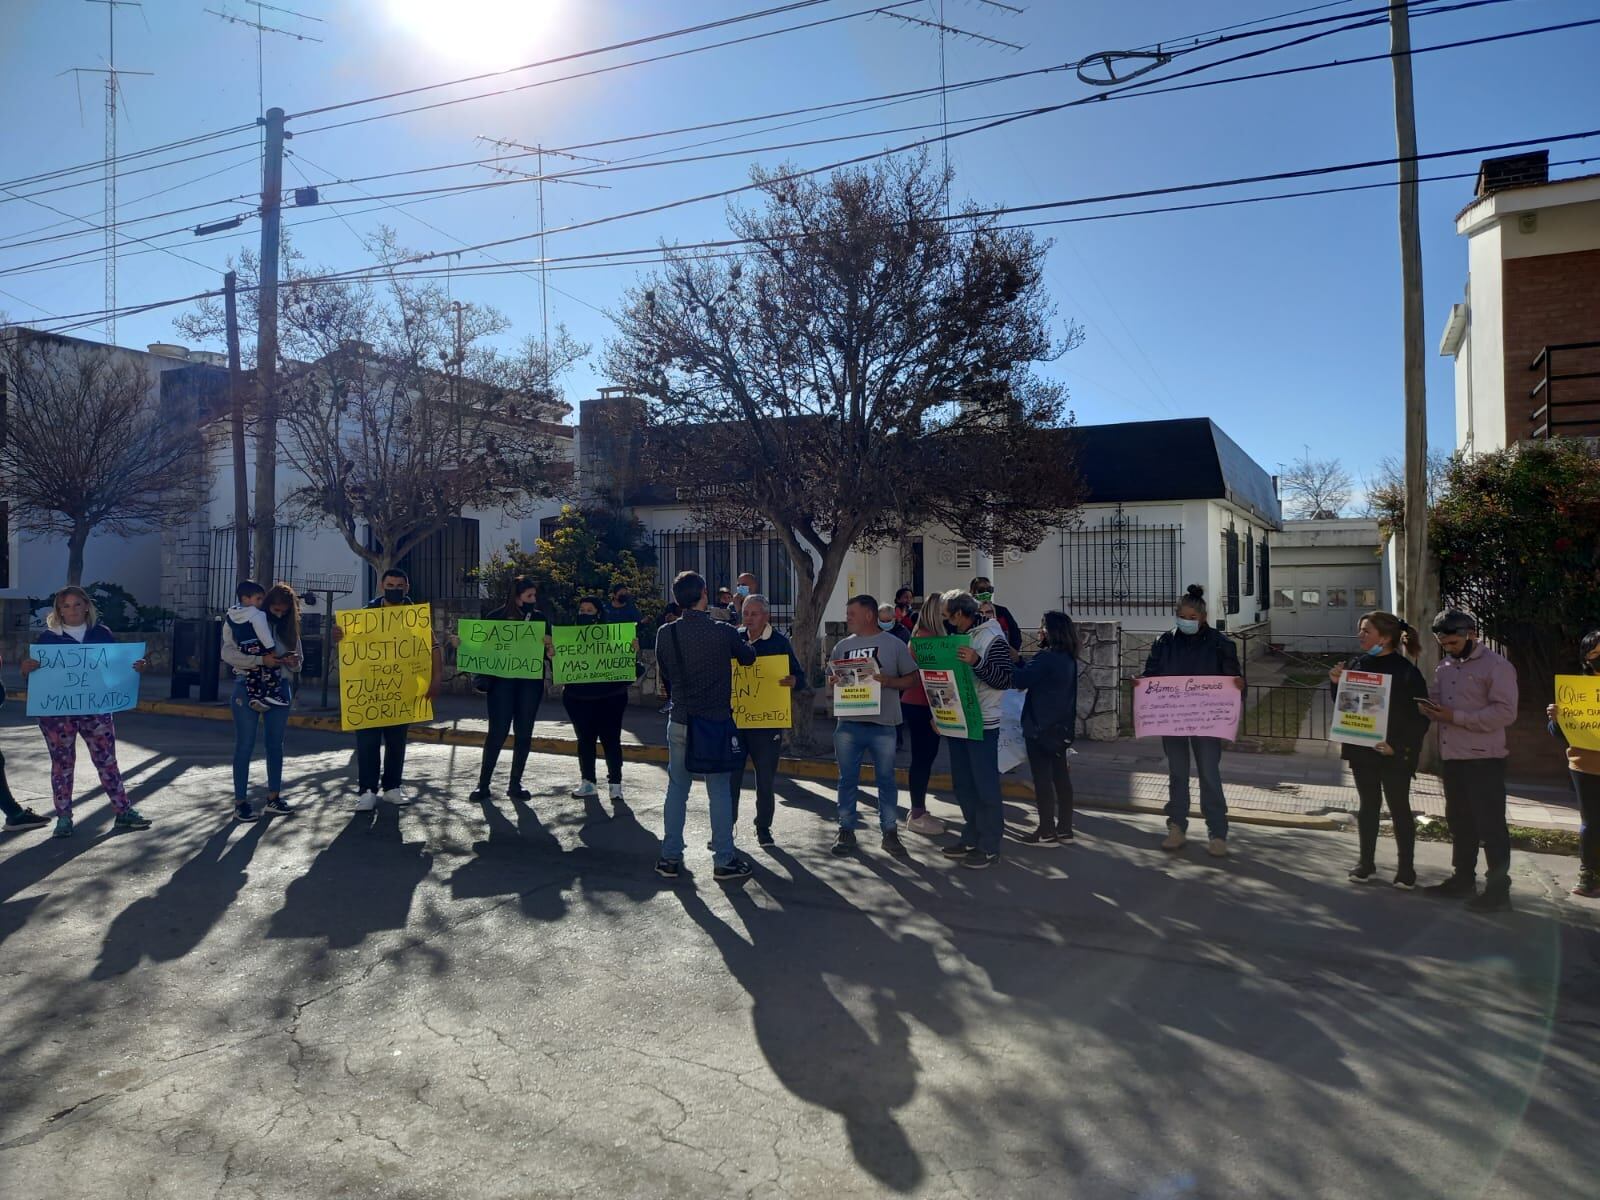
(1567, 396)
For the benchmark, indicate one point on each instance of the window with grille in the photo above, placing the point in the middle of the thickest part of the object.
(1122, 566)
(1249, 563)
(1230, 555)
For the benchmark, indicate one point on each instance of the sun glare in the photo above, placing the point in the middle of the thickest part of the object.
(486, 33)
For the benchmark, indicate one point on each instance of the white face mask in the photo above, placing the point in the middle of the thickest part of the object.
(1188, 625)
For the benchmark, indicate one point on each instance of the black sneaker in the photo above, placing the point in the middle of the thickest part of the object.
(845, 843)
(764, 837)
(1066, 839)
(279, 807)
(977, 860)
(892, 844)
(959, 850)
(1362, 872)
(480, 794)
(1038, 838)
(669, 868)
(735, 872)
(517, 792)
(1406, 879)
(1457, 887)
(26, 819)
(1493, 900)
(244, 814)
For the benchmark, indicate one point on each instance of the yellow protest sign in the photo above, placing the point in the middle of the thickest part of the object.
(759, 700)
(1578, 709)
(385, 666)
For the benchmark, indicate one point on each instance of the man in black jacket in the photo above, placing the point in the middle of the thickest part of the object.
(695, 656)
(763, 746)
(982, 590)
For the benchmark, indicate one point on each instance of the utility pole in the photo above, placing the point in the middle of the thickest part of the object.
(267, 348)
(1418, 601)
(241, 487)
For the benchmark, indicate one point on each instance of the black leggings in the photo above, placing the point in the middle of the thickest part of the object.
(513, 704)
(1052, 789)
(1588, 788)
(600, 718)
(924, 749)
(8, 803)
(1379, 779)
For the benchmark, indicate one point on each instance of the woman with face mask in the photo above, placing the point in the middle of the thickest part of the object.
(1584, 766)
(889, 622)
(596, 711)
(513, 703)
(1384, 772)
(1194, 648)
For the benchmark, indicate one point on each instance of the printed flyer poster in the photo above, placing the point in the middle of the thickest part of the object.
(1186, 706)
(1577, 710)
(1361, 708)
(855, 692)
(951, 687)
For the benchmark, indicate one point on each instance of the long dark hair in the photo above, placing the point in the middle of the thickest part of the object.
(1060, 634)
(1589, 653)
(520, 584)
(285, 629)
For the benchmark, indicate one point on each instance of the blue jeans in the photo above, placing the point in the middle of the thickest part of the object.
(719, 787)
(975, 769)
(853, 741)
(245, 722)
(1208, 765)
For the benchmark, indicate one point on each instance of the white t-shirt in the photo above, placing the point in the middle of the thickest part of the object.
(76, 632)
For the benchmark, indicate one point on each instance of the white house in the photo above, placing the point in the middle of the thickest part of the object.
(1169, 503)
(1526, 336)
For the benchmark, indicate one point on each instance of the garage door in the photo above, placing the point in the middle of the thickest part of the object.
(1316, 608)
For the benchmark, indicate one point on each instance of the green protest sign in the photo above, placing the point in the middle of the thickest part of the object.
(951, 687)
(593, 653)
(504, 649)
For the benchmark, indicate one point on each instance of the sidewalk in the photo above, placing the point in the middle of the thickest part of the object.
(1310, 788)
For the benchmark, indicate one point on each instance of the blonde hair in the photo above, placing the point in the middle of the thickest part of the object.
(54, 622)
(930, 618)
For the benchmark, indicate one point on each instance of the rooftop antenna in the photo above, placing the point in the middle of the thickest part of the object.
(262, 28)
(113, 91)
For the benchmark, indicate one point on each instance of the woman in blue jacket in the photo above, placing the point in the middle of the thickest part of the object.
(1049, 724)
(1194, 648)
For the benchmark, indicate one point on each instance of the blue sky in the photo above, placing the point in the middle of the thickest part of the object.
(1281, 321)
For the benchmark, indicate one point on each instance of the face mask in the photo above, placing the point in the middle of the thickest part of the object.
(587, 618)
(394, 595)
(1188, 625)
(1379, 650)
(624, 599)
(886, 625)
(984, 597)
(742, 590)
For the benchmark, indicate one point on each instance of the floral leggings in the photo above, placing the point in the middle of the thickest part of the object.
(61, 736)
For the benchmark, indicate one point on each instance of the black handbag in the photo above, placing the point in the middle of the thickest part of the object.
(712, 745)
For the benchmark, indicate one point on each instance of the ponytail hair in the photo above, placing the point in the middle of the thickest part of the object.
(1394, 631)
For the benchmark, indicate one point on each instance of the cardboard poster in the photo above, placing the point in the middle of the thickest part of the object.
(855, 692)
(83, 678)
(951, 687)
(1577, 709)
(1187, 706)
(385, 666)
(760, 701)
(504, 649)
(1361, 708)
(598, 653)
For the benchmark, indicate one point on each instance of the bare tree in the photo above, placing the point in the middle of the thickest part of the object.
(84, 447)
(1316, 489)
(860, 372)
(1386, 487)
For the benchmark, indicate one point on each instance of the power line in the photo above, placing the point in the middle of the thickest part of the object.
(135, 171)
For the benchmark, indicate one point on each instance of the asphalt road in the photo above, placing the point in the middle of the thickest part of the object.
(463, 1001)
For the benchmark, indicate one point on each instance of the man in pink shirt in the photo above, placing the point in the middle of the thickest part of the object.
(1474, 701)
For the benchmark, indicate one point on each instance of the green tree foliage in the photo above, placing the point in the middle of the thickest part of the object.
(586, 554)
(1518, 538)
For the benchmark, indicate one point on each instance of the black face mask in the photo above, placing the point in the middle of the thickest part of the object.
(587, 618)
(1466, 650)
(624, 600)
(394, 595)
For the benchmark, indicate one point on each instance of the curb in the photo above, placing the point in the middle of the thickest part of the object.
(793, 768)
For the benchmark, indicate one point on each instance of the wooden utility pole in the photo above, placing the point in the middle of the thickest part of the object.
(241, 487)
(267, 349)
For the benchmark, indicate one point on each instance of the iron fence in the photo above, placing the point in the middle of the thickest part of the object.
(721, 557)
(1122, 566)
(220, 572)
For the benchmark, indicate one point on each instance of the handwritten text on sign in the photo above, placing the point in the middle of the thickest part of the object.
(593, 653)
(504, 649)
(385, 666)
(83, 679)
(760, 701)
(1577, 709)
(1186, 706)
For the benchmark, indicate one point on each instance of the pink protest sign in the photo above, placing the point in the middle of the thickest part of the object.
(1186, 706)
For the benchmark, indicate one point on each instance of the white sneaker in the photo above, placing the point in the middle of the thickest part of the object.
(1175, 838)
(366, 801)
(926, 824)
(616, 791)
(397, 797)
(584, 790)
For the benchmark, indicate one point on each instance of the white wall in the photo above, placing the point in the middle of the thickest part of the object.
(1485, 360)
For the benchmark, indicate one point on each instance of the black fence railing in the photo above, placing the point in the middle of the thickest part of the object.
(1567, 397)
(220, 581)
(721, 557)
(1122, 566)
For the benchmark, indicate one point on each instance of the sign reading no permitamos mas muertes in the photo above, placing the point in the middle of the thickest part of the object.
(1361, 708)
(1577, 709)
(1186, 706)
(385, 666)
(593, 653)
(503, 649)
(83, 678)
